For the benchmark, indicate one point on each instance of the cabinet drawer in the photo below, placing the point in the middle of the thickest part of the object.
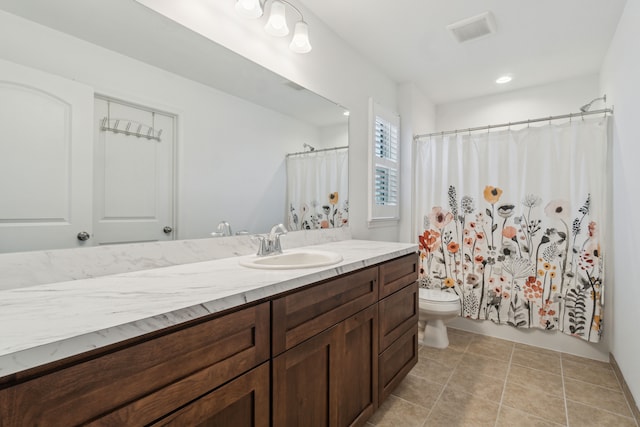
(398, 314)
(244, 402)
(398, 273)
(303, 314)
(396, 362)
(143, 380)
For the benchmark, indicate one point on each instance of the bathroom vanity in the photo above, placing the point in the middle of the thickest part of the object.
(241, 346)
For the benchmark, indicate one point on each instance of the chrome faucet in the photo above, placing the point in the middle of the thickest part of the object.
(270, 244)
(224, 229)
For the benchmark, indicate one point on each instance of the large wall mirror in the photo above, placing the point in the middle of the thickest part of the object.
(125, 125)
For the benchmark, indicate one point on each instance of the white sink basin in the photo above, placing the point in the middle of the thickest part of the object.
(305, 258)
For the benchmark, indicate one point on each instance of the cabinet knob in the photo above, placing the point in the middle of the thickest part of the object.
(83, 236)
(167, 230)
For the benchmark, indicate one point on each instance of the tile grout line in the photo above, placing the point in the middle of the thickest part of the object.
(600, 409)
(444, 387)
(504, 386)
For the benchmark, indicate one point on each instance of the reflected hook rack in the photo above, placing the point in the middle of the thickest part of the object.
(141, 130)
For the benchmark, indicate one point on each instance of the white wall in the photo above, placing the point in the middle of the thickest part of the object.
(417, 115)
(332, 69)
(566, 96)
(557, 98)
(228, 168)
(620, 79)
(333, 136)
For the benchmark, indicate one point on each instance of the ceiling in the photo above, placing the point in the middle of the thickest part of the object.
(127, 27)
(537, 42)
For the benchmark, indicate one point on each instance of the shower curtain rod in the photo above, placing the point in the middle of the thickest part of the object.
(604, 111)
(316, 151)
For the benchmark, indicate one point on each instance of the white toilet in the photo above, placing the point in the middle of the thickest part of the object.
(436, 307)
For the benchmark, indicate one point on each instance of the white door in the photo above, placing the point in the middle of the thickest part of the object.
(46, 143)
(133, 175)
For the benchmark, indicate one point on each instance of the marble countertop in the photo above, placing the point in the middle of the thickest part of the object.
(44, 323)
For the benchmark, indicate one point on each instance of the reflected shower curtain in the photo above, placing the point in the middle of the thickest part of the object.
(318, 189)
(512, 222)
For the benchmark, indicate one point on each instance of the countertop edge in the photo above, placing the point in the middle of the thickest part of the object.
(38, 356)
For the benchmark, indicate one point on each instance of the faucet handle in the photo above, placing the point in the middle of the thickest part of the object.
(264, 246)
(276, 247)
(224, 228)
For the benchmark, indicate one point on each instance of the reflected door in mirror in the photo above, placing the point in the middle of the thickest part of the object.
(133, 176)
(45, 160)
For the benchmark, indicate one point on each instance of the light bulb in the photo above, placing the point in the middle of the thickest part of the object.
(277, 23)
(249, 8)
(300, 42)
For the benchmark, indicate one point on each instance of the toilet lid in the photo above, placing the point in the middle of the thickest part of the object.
(437, 295)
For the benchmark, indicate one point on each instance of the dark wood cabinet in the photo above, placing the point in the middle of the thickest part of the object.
(305, 383)
(244, 402)
(303, 314)
(344, 345)
(324, 355)
(398, 273)
(398, 312)
(396, 362)
(330, 379)
(141, 382)
(358, 382)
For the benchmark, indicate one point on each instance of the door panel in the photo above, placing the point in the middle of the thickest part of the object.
(133, 175)
(305, 383)
(45, 159)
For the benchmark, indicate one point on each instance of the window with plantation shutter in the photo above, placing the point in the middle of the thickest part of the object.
(384, 162)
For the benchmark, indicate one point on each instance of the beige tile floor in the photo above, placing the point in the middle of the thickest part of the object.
(482, 381)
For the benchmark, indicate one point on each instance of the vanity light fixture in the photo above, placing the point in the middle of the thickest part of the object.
(249, 8)
(277, 21)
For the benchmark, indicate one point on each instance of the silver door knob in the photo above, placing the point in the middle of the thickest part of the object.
(167, 230)
(83, 236)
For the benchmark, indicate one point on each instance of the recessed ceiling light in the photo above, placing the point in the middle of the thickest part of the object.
(504, 79)
(346, 113)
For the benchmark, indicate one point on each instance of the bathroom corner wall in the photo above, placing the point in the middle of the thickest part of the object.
(561, 97)
(620, 80)
(417, 116)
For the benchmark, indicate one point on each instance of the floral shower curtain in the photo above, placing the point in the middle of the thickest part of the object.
(318, 189)
(513, 221)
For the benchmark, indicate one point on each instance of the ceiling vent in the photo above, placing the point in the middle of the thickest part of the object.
(473, 28)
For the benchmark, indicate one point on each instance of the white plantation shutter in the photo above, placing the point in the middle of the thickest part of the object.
(385, 168)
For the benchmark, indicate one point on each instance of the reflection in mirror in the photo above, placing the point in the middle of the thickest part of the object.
(228, 126)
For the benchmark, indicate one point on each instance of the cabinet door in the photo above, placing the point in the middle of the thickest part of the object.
(398, 314)
(305, 382)
(303, 314)
(244, 402)
(358, 397)
(396, 362)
